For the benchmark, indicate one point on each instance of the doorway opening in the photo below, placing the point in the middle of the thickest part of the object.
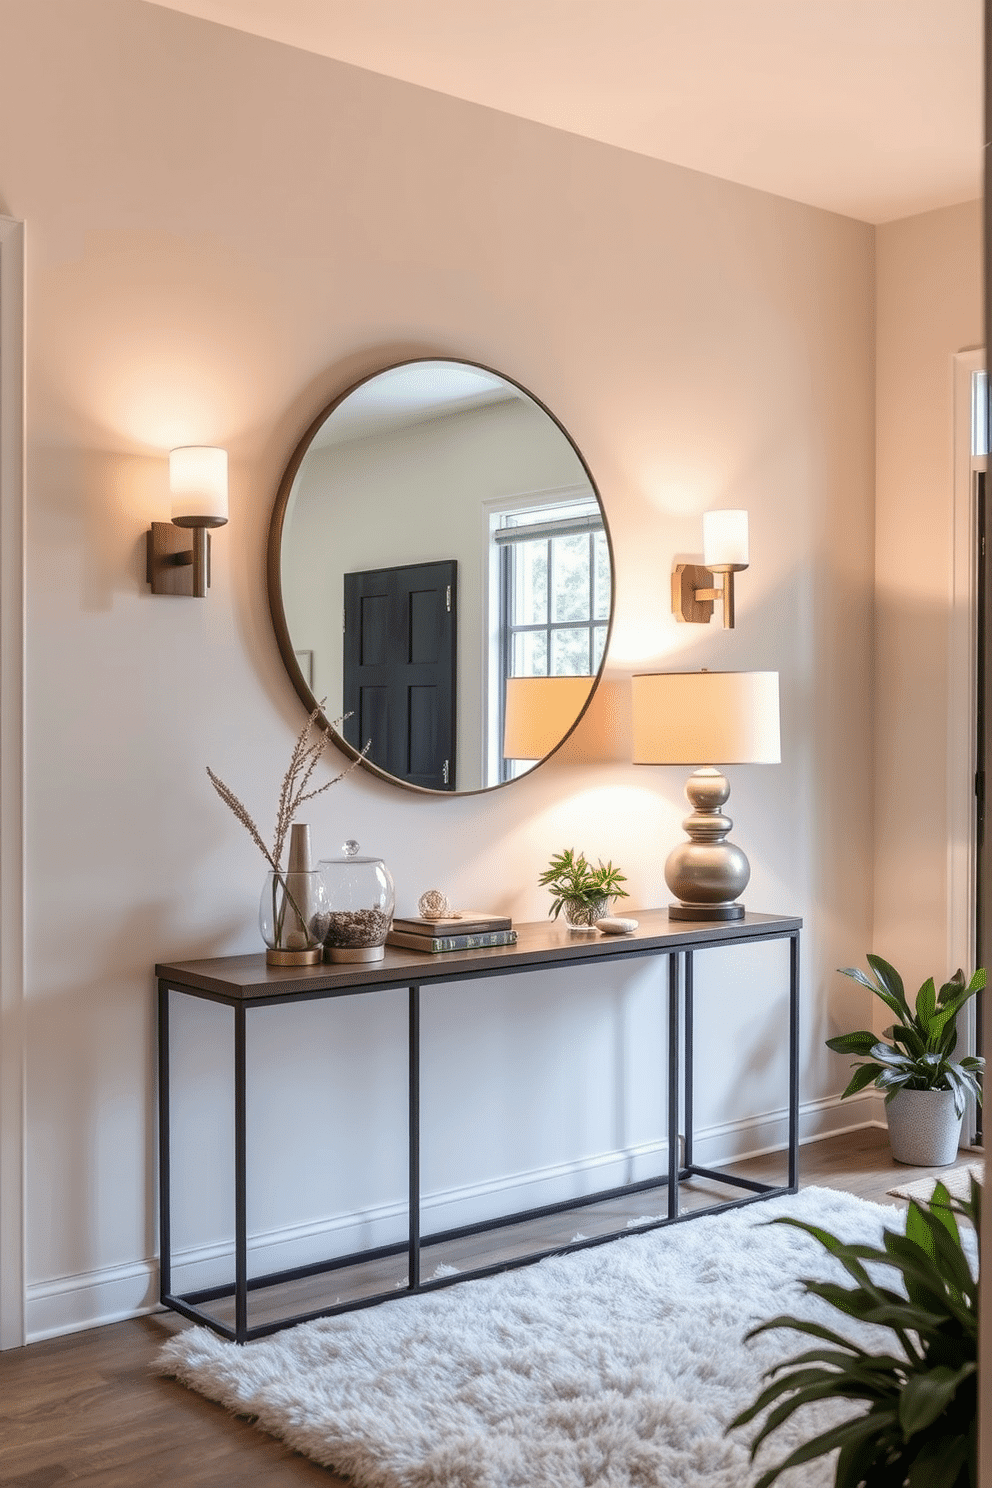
(969, 717)
(983, 697)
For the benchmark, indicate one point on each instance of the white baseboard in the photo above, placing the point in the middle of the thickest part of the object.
(68, 1304)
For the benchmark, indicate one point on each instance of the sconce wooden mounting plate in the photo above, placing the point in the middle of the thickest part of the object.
(170, 567)
(687, 579)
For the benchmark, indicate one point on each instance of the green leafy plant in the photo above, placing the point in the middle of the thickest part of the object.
(574, 881)
(919, 1425)
(922, 1039)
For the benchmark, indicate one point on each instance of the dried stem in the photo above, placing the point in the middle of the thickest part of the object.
(293, 792)
(230, 799)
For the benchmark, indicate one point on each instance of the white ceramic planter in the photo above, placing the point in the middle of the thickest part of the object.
(924, 1129)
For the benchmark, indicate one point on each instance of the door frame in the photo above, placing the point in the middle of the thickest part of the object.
(962, 711)
(12, 670)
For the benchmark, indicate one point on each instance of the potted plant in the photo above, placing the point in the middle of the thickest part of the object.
(917, 1421)
(925, 1088)
(584, 892)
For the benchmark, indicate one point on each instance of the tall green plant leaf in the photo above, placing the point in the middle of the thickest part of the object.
(893, 1003)
(864, 1074)
(920, 1426)
(948, 1012)
(927, 1396)
(890, 980)
(853, 1043)
(941, 1462)
(926, 1003)
(957, 983)
(951, 987)
(910, 1038)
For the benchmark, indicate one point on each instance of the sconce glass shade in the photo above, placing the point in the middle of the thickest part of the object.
(198, 482)
(706, 718)
(725, 541)
(540, 711)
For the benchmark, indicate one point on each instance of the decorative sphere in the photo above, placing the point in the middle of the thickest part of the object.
(433, 905)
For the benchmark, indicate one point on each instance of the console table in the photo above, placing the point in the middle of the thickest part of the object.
(246, 982)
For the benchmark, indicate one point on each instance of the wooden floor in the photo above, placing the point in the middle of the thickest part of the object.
(85, 1409)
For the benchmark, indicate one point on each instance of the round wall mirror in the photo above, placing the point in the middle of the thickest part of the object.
(440, 576)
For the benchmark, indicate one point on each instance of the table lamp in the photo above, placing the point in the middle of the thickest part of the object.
(539, 713)
(682, 718)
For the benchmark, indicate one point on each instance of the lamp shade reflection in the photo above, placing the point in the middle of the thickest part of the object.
(540, 711)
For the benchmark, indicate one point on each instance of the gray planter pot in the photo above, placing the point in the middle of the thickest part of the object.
(924, 1129)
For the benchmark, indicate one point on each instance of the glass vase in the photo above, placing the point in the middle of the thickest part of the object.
(292, 916)
(580, 915)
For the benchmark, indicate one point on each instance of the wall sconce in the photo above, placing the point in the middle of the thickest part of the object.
(198, 482)
(724, 552)
(681, 718)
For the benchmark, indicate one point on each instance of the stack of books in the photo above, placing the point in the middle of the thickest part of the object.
(471, 930)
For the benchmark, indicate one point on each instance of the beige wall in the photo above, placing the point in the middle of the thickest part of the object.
(929, 307)
(222, 234)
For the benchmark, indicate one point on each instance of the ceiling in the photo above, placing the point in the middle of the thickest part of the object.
(411, 393)
(870, 108)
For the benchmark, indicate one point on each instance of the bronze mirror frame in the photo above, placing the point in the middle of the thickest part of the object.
(277, 608)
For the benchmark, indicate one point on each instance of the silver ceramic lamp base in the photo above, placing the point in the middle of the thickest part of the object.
(707, 873)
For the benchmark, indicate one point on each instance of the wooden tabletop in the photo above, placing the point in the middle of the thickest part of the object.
(544, 942)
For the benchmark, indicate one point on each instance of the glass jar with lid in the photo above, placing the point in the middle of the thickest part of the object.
(359, 909)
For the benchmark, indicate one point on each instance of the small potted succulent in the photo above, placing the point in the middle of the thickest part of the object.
(925, 1088)
(584, 892)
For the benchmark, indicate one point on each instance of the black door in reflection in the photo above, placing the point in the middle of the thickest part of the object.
(399, 669)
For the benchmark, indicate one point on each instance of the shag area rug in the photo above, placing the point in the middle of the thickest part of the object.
(614, 1367)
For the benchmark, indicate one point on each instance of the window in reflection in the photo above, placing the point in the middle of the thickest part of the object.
(552, 600)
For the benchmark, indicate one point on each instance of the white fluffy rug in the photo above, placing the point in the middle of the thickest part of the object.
(614, 1367)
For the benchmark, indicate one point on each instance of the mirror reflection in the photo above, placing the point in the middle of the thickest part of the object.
(438, 536)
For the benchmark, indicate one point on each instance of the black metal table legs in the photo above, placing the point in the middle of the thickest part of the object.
(689, 1168)
(413, 1129)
